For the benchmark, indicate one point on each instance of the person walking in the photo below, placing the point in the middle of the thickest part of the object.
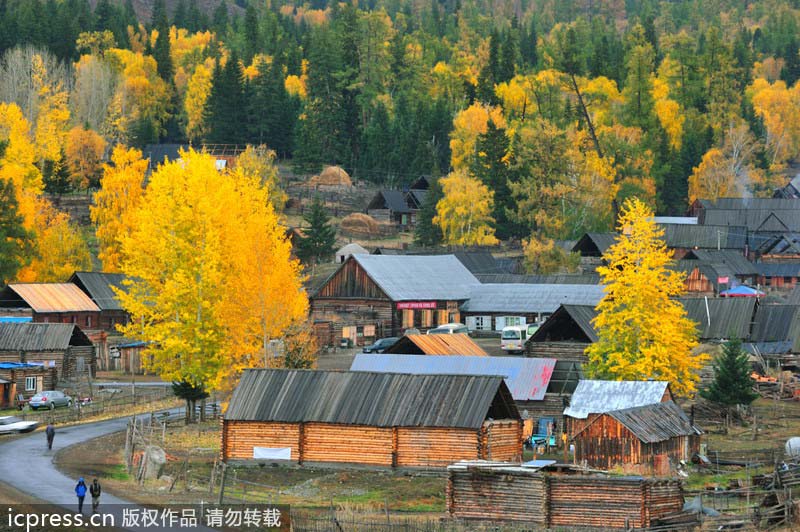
(80, 491)
(50, 431)
(95, 490)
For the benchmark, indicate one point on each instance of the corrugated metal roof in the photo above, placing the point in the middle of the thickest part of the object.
(730, 317)
(437, 344)
(778, 269)
(704, 236)
(98, 286)
(529, 298)
(599, 397)
(756, 219)
(368, 398)
(40, 336)
(479, 262)
(753, 204)
(776, 323)
(526, 378)
(731, 258)
(52, 297)
(419, 277)
(656, 422)
(594, 244)
(677, 220)
(558, 278)
(395, 201)
(768, 348)
(794, 296)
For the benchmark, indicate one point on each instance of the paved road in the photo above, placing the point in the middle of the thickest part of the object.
(27, 465)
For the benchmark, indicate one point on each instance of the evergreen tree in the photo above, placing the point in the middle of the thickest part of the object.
(427, 233)
(251, 37)
(16, 242)
(507, 63)
(220, 18)
(273, 110)
(180, 17)
(159, 17)
(528, 46)
(791, 68)
(318, 244)
(226, 108)
(55, 175)
(377, 143)
(161, 49)
(732, 384)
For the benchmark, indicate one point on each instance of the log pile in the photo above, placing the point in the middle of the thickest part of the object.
(505, 492)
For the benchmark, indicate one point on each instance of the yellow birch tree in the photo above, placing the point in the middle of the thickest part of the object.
(464, 213)
(642, 332)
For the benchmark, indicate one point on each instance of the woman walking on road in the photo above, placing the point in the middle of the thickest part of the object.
(80, 491)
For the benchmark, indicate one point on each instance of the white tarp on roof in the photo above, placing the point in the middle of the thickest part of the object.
(599, 397)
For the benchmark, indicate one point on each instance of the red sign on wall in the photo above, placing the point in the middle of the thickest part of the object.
(415, 304)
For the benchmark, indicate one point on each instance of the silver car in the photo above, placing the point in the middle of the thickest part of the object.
(49, 399)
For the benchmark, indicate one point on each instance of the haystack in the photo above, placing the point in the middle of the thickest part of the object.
(360, 224)
(331, 176)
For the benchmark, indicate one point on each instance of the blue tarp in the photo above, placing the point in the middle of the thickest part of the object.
(16, 319)
(742, 291)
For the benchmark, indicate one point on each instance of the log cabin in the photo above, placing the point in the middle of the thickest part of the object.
(649, 439)
(22, 380)
(62, 346)
(367, 418)
(374, 296)
(99, 286)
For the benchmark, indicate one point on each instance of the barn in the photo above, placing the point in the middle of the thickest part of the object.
(643, 439)
(374, 296)
(62, 346)
(369, 418)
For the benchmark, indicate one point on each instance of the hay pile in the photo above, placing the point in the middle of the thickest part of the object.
(331, 176)
(360, 224)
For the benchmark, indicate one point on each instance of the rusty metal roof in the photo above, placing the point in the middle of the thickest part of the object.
(41, 336)
(598, 397)
(437, 344)
(656, 422)
(368, 398)
(48, 297)
(526, 378)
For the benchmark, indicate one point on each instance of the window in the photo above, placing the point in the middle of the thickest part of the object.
(483, 323)
(441, 317)
(88, 321)
(513, 320)
(30, 384)
(427, 318)
(408, 319)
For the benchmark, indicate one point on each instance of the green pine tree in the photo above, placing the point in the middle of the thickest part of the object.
(732, 384)
(16, 242)
(318, 244)
(427, 233)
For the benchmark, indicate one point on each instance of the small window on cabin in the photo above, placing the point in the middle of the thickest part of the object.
(88, 321)
(513, 320)
(30, 384)
(427, 318)
(408, 319)
(441, 317)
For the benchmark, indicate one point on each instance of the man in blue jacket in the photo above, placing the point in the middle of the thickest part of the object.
(80, 491)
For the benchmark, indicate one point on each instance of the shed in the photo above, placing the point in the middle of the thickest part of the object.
(62, 346)
(23, 379)
(594, 397)
(350, 249)
(373, 296)
(494, 306)
(100, 286)
(643, 439)
(594, 244)
(378, 419)
(391, 206)
(437, 344)
(565, 334)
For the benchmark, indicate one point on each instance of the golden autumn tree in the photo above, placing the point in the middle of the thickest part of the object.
(464, 212)
(642, 332)
(213, 277)
(467, 126)
(121, 191)
(17, 163)
(84, 151)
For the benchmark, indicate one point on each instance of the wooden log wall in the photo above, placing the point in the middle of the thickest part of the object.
(551, 406)
(239, 438)
(606, 443)
(435, 447)
(475, 494)
(696, 283)
(571, 351)
(345, 312)
(323, 442)
(501, 440)
(555, 500)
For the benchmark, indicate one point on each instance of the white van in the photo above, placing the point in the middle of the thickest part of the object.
(450, 328)
(513, 338)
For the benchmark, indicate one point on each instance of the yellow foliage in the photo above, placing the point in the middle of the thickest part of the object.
(53, 116)
(60, 247)
(295, 86)
(187, 50)
(712, 178)
(464, 212)
(84, 153)
(513, 95)
(602, 97)
(214, 280)
(643, 331)
(259, 162)
(17, 163)
(197, 91)
(668, 113)
(779, 109)
(544, 257)
(115, 203)
(467, 126)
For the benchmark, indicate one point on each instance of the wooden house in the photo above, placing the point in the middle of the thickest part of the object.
(437, 344)
(392, 206)
(594, 397)
(493, 306)
(368, 418)
(24, 380)
(51, 303)
(374, 296)
(782, 275)
(644, 439)
(62, 346)
(564, 335)
(99, 286)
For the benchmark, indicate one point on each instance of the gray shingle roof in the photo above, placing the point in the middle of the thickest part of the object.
(558, 278)
(732, 259)
(528, 298)
(526, 378)
(419, 277)
(98, 286)
(704, 236)
(41, 336)
(730, 317)
(756, 219)
(599, 397)
(656, 422)
(778, 269)
(393, 200)
(374, 399)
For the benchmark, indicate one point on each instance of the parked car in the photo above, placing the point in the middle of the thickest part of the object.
(49, 399)
(381, 345)
(10, 424)
(450, 328)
